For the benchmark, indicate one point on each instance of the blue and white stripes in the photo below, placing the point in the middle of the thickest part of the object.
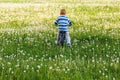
(63, 22)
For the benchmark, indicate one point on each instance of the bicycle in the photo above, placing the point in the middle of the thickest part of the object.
(61, 38)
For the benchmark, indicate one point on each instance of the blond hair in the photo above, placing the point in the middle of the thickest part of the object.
(62, 12)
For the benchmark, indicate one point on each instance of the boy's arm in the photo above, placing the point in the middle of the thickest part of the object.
(56, 22)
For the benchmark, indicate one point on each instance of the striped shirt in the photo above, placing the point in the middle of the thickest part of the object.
(63, 22)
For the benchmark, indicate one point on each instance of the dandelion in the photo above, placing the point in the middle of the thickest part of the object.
(75, 41)
(2, 50)
(50, 58)
(7, 56)
(57, 69)
(50, 67)
(24, 71)
(37, 70)
(27, 67)
(61, 55)
(49, 44)
(10, 69)
(117, 61)
(30, 58)
(0, 59)
(36, 56)
(9, 63)
(34, 59)
(68, 69)
(55, 64)
(107, 55)
(106, 69)
(111, 64)
(114, 78)
(12, 72)
(3, 67)
(103, 73)
(106, 76)
(32, 68)
(85, 55)
(63, 69)
(23, 54)
(55, 56)
(93, 60)
(39, 66)
(100, 71)
(66, 61)
(17, 65)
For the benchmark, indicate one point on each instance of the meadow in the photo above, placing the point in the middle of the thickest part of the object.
(27, 40)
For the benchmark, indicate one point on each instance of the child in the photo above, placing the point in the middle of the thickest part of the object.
(63, 22)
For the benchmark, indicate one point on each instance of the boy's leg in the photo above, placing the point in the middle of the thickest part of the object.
(68, 39)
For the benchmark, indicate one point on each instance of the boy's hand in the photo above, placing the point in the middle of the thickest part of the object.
(68, 24)
(55, 24)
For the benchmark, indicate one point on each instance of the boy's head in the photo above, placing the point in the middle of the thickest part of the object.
(62, 12)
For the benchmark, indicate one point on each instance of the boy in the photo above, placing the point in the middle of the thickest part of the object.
(63, 22)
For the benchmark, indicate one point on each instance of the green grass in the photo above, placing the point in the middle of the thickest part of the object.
(27, 40)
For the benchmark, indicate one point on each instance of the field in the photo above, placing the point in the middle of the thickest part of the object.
(27, 40)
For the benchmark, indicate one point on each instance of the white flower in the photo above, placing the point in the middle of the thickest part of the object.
(9, 63)
(50, 67)
(114, 78)
(32, 68)
(17, 65)
(100, 71)
(39, 66)
(10, 69)
(61, 55)
(68, 69)
(93, 60)
(27, 67)
(12, 72)
(24, 71)
(0, 59)
(50, 58)
(37, 70)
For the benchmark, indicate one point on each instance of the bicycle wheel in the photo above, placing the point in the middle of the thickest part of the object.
(62, 37)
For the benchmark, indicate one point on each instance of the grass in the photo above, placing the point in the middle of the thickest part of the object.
(27, 40)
